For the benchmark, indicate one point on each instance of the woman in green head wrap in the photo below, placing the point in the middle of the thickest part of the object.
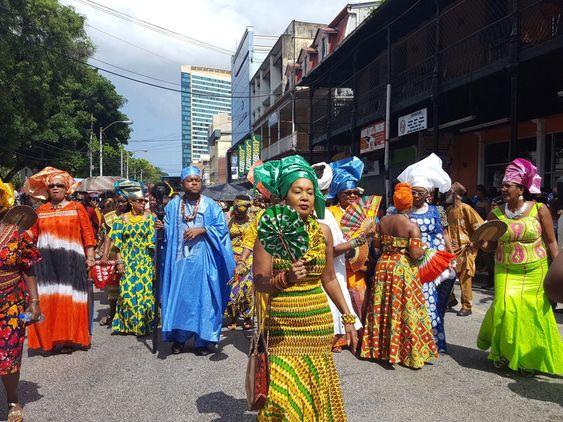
(304, 383)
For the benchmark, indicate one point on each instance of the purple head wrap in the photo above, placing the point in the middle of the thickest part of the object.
(524, 173)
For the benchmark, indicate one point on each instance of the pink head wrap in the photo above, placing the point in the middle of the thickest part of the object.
(524, 173)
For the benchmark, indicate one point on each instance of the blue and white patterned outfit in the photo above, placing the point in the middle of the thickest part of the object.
(432, 231)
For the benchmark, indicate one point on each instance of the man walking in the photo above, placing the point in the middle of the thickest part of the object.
(463, 220)
(198, 264)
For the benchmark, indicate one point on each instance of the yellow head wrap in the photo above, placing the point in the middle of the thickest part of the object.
(7, 195)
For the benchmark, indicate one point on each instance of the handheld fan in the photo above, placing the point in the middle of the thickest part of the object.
(359, 215)
(282, 233)
(433, 263)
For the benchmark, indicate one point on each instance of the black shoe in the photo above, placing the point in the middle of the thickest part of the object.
(177, 348)
(451, 304)
(464, 312)
(202, 351)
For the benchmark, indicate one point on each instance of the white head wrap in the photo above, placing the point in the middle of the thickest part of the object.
(428, 174)
(326, 179)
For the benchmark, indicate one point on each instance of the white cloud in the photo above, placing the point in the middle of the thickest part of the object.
(156, 113)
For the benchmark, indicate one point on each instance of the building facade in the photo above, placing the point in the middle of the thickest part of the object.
(250, 53)
(206, 92)
(219, 139)
(476, 81)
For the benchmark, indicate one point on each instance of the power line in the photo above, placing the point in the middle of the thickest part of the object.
(135, 73)
(154, 27)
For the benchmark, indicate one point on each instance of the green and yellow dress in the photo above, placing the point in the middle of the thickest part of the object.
(304, 384)
(520, 327)
(134, 237)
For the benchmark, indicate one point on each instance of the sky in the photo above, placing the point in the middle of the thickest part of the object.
(156, 112)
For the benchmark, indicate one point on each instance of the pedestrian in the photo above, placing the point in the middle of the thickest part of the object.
(340, 248)
(520, 328)
(241, 298)
(66, 241)
(398, 328)
(304, 383)
(344, 190)
(463, 220)
(133, 236)
(18, 290)
(198, 264)
(110, 252)
(425, 176)
(92, 210)
(481, 203)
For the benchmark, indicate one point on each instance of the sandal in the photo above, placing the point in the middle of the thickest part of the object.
(16, 412)
(232, 325)
(177, 348)
(248, 325)
(336, 349)
(106, 320)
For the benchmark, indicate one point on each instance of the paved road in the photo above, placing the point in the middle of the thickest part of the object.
(119, 380)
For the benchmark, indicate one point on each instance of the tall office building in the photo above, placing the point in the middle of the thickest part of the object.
(206, 92)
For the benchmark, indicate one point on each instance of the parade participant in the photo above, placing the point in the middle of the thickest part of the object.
(398, 328)
(241, 298)
(111, 253)
(341, 247)
(425, 176)
(133, 236)
(304, 383)
(66, 241)
(344, 190)
(198, 264)
(519, 328)
(18, 290)
(91, 209)
(463, 220)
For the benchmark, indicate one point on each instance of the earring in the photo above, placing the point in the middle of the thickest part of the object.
(521, 197)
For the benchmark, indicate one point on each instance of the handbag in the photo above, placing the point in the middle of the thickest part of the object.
(104, 274)
(257, 372)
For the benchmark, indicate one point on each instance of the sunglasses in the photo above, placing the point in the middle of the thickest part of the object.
(351, 192)
(140, 200)
(56, 185)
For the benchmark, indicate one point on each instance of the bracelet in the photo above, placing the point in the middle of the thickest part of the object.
(358, 241)
(348, 318)
(34, 300)
(279, 282)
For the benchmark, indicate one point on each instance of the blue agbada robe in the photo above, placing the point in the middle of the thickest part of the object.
(195, 273)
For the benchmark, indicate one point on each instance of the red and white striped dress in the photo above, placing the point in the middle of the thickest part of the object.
(62, 235)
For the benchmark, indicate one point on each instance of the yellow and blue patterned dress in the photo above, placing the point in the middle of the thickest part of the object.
(304, 383)
(135, 305)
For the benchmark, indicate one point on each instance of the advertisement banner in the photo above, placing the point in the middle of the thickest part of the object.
(234, 166)
(413, 122)
(372, 137)
(248, 155)
(241, 160)
(256, 148)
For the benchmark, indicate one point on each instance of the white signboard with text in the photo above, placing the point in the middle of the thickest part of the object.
(413, 122)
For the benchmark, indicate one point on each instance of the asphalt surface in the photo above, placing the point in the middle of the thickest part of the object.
(120, 380)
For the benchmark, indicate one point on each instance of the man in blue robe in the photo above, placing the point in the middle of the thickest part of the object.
(198, 263)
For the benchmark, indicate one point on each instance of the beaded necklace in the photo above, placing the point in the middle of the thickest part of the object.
(193, 215)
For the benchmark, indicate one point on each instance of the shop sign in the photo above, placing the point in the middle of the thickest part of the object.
(372, 137)
(413, 122)
(248, 155)
(256, 148)
(234, 166)
(241, 159)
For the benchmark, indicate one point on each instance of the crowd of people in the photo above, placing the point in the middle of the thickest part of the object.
(363, 293)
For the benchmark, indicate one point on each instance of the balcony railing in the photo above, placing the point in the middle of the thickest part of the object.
(296, 141)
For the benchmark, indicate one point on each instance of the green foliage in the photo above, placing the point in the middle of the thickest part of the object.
(140, 167)
(49, 100)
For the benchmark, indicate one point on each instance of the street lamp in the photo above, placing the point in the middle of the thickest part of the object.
(132, 156)
(126, 122)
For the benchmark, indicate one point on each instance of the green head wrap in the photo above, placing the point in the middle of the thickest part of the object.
(277, 176)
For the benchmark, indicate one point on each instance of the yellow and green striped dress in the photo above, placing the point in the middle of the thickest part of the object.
(304, 384)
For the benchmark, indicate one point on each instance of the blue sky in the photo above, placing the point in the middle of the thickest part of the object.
(156, 112)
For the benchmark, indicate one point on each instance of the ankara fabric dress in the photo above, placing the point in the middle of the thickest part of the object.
(17, 255)
(304, 384)
(135, 304)
(195, 273)
(397, 326)
(62, 234)
(520, 327)
(241, 297)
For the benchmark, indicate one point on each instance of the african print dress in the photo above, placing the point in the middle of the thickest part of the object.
(62, 235)
(18, 254)
(398, 327)
(519, 328)
(241, 299)
(304, 384)
(135, 304)
(431, 228)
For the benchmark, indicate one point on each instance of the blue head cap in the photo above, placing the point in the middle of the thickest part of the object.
(346, 174)
(190, 171)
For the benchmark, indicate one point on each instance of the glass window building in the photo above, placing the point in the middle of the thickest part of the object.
(206, 92)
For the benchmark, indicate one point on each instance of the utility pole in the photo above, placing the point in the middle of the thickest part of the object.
(90, 145)
(101, 153)
(141, 174)
(121, 160)
(127, 165)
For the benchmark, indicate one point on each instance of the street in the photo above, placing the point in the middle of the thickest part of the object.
(120, 380)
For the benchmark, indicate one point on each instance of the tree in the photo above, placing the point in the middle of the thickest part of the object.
(50, 98)
(141, 169)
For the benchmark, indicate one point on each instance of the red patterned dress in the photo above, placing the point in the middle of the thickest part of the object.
(397, 327)
(17, 255)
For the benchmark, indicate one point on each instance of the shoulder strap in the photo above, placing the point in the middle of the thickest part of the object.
(535, 210)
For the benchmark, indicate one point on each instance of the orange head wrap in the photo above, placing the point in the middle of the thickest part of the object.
(36, 186)
(402, 197)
